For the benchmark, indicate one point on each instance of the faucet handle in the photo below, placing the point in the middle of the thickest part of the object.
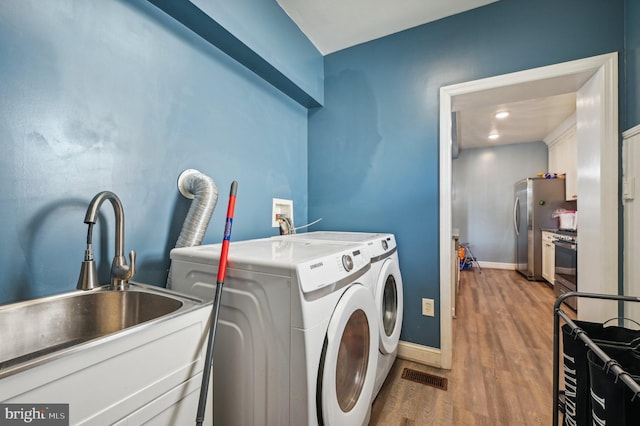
(121, 273)
(132, 265)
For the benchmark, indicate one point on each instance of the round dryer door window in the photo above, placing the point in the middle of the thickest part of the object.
(348, 370)
(390, 306)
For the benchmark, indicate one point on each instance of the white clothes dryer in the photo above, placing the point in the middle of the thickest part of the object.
(296, 339)
(386, 289)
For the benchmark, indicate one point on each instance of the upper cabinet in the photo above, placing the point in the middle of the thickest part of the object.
(563, 154)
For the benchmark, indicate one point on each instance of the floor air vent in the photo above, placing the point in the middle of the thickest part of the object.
(425, 378)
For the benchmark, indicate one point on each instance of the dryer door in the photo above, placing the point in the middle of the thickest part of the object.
(390, 305)
(349, 359)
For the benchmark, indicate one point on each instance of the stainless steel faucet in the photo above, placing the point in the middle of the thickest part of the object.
(121, 273)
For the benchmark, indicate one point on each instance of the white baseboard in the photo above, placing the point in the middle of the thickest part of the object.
(627, 134)
(421, 354)
(497, 265)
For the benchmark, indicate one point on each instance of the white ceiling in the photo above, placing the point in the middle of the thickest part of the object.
(528, 121)
(333, 25)
(536, 108)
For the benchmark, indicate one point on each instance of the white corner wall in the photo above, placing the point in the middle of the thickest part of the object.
(631, 201)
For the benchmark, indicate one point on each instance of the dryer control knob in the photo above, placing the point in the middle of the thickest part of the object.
(347, 262)
(385, 246)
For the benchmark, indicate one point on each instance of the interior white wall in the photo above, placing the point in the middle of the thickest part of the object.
(482, 195)
(631, 200)
(597, 138)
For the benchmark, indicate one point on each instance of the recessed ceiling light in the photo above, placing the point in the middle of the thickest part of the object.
(494, 136)
(502, 114)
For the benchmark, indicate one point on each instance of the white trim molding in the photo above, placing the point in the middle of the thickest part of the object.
(562, 129)
(629, 133)
(544, 81)
(497, 265)
(631, 206)
(426, 355)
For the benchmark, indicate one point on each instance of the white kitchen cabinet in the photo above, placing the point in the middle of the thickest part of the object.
(563, 155)
(548, 256)
(571, 165)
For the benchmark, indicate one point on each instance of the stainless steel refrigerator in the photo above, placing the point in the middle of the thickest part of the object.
(535, 201)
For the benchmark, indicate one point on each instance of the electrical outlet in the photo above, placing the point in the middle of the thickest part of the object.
(427, 307)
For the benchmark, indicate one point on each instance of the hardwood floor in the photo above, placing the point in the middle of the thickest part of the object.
(502, 360)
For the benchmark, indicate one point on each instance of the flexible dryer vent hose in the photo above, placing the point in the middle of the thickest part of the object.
(204, 192)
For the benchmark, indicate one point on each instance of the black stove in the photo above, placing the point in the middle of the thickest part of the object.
(567, 235)
(566, 264)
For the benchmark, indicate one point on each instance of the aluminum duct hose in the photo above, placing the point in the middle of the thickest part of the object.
(203, 191)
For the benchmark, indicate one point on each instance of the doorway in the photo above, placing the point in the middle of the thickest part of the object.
(595, 80)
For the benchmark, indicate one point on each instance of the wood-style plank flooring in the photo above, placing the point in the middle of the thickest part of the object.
(502, 360)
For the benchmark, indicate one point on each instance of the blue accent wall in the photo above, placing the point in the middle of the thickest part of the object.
(482, 199)
(632, 62)
(261, 37)
(266, 28)
(118, 95)
(373, 148)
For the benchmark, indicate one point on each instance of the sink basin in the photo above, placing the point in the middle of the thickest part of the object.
(140, 354)
(48, 325)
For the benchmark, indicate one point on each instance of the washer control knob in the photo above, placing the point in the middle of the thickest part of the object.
(347, 262)
(385, 246)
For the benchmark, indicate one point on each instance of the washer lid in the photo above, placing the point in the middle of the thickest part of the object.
(356, 237)
(338, 236)
(379, 245)
(315, 264)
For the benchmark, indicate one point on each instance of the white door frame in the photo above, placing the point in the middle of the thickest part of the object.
(569, 74)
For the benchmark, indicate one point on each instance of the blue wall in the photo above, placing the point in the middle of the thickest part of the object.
(117, 95)
(373, 148)
(482, 205)
(268, 30)
(632, 66)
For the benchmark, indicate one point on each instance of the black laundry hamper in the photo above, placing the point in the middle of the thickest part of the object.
(612, 402)
(577, 395)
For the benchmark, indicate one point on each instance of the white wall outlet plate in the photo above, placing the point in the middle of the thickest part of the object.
(428, 308)
(281, 207)
(628, 188)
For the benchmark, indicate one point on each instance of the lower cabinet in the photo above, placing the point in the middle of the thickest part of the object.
(548, 256)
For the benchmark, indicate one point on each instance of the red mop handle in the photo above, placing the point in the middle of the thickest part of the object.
(222, 270)
(222, 267)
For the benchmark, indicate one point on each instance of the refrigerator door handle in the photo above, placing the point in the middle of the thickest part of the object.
(516, 206)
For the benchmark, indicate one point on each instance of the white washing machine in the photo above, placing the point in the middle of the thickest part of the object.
(387, 289)
(296, 339)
